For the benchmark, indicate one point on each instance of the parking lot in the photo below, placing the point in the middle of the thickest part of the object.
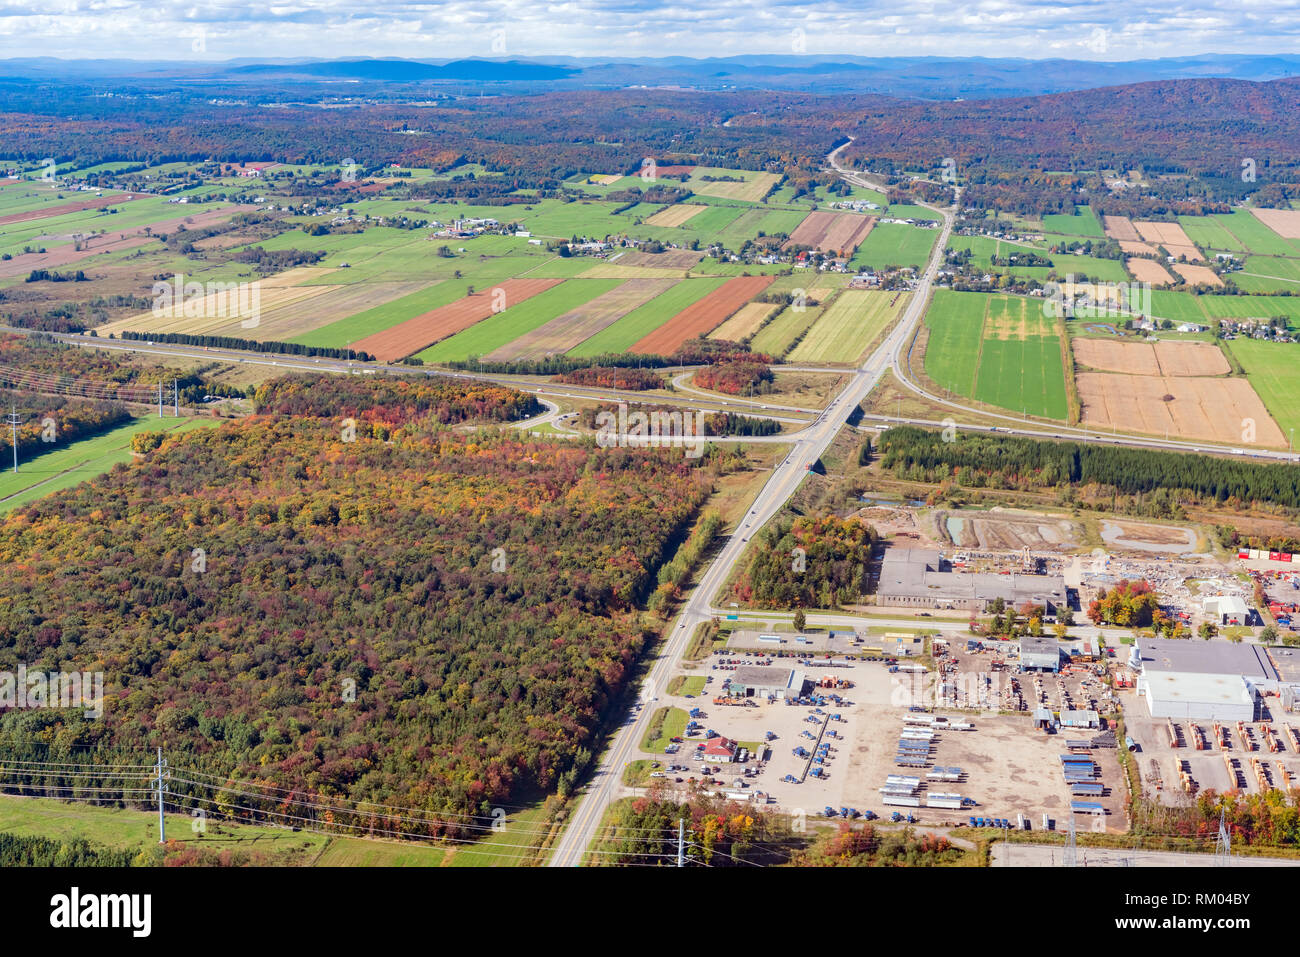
(1008, 767)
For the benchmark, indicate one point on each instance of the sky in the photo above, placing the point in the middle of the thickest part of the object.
(223, 29)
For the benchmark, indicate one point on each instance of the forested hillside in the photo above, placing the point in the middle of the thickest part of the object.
(429, 618)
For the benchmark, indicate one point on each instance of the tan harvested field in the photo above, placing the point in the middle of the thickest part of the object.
(619, 271)
(675, 215)
(1099, 293)
(564, 332)
(299, 276)
(1216, 410)
(110, 243)
(605, 179)
(702, 316)
(1120, 227)
(1164, 358)
(219, 313)
(672, 259)
(437, 324)
(751, 191)
(1284, 222)
(745, 322)
(1137, 248)
(1169, 235)
(1148, 270)
(44, 212)
(832, 232)
(1197, 274)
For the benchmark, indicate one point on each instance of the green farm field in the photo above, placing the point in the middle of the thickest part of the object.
(895, 244)
(996, 349)
(65, 466)
(506, 326)
(849, 325)
(1273, 369)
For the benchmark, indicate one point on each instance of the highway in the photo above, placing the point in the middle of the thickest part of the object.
(808, 447)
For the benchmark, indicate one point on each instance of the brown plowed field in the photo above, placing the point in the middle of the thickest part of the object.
(832, 232)
(673, 259)
(1284, 222)
(1211, 409)
(703, 315)
(1121, 227)
(1169, 235)
(109, 243)
(1148, 270)
(424, 330)
(1164, 358)
(1197, 274)
(97, 202)
(564, 332)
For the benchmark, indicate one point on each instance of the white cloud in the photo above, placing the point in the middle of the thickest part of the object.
(457, 28)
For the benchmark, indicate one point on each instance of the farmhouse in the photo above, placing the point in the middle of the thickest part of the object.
(923, 578)
(719, 750)
(1206, 680)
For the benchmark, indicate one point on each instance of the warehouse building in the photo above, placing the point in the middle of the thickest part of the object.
(923, 578)
(1202, 680)
(751, 681)
(1040, 654)
(1226, 610)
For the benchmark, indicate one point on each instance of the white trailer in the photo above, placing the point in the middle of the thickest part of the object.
(900, 800)
(903, 780)
(917, 734)
(950, 801)
(919, 719)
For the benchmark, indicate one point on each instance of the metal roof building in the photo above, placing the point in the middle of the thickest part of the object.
(1040, 654)
(922, 578)
(1200, 697)
(766, 682)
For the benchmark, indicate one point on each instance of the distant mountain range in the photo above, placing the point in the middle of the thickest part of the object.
(938, 78)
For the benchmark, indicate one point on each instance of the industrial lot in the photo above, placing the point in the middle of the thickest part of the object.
(934, 725)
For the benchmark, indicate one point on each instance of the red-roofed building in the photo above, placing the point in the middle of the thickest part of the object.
(720, 750)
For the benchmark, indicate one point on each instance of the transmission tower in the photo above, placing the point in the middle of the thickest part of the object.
(1223, 845)
(15, 420)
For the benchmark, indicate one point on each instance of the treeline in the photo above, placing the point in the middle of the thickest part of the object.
(53, 422)
(248, 345)
(47, 275)
(698, 351)
(812, 562)
(277, 260)
(673, 575)
(23, 851)
(613, 377)
(867, 846)
(718, 423)
(644, 830)
(393, 402)
(735, 376)
(976, 460)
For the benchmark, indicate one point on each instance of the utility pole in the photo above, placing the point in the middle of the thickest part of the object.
(162, 775)
(14, 422)
(681, 842)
